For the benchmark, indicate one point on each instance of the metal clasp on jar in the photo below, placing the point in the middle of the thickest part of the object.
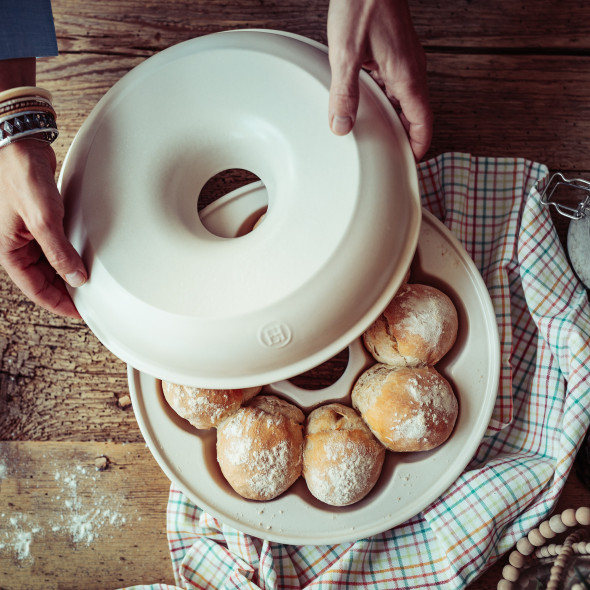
(578, 234)
(548, 196)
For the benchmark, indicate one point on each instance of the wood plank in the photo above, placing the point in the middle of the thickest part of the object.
(57, 382)
(533, 107)
(66, 524)
(500, 25)
(133, 27)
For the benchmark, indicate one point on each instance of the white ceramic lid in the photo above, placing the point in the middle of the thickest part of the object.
(180, 303)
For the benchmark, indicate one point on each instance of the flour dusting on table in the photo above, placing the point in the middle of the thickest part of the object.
(78, 512)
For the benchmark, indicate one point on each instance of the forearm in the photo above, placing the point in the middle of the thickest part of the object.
(17, 72)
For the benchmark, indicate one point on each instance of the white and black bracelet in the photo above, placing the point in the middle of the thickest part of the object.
(30, 124)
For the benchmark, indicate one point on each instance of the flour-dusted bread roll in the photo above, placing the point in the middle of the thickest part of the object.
(342, 460)
(407, 409)
(259, 448)
(418, 327)
(205, 408)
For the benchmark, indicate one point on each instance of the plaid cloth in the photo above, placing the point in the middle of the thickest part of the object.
(539, 421)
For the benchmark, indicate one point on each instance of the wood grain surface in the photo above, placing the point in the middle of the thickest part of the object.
(81, 515)
(505, 78)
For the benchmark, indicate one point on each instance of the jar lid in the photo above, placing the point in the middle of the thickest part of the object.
(179, 302)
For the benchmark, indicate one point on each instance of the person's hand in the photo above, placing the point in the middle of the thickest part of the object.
(378, 35)
(33, 247)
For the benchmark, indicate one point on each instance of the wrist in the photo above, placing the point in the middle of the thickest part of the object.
(26, 111)
(28, 162)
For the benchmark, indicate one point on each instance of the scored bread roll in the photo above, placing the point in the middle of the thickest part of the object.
(259, 447)
(407, 409)
(342, 460)
(418, 327)
(205, 408)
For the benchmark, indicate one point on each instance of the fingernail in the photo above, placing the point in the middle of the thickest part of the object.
(341, 125)
(75, 279)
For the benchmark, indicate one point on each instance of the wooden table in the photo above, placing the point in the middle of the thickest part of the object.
(82, 502)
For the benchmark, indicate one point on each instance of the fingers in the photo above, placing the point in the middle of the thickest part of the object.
(42, 211)
(420, 135)
(346, 36)
(344, 93)
(33, 247)
(38, 281)
(412, 100)
(46, 227)
(380, 36)
(417, 119)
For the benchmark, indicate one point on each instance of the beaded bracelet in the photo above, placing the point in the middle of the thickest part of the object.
(23, 104)
(27, 112)
(532, 546)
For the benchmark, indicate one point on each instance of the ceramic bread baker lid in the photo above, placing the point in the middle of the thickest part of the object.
(179, 303)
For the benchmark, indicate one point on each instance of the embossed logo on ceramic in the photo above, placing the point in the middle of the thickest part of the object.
(275, 335)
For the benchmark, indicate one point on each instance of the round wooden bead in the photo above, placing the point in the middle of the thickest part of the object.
(557, 568)
(583, 516)
(536, 538)
(568, 517)
(546, 530)
(525, 546)
(517, 559)
(505, 585)
(556, 524)
(510, 573)
(542, 552)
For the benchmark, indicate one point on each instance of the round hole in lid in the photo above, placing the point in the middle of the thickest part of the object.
(221, 185)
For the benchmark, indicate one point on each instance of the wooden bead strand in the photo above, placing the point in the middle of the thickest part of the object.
(583, 516)
(562, 559)
(533, 547)
(546, 530)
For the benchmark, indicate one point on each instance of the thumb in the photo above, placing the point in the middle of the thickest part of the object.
(60, 254)
(344, 95)
(45, 224)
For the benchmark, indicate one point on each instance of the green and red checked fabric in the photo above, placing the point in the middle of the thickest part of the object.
(539, 421)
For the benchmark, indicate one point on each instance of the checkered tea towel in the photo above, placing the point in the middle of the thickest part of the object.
(541, 414)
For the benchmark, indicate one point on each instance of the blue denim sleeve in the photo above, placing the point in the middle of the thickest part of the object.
(26, 29)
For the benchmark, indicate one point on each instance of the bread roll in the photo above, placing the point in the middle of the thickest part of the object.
(205, 408)
(259, 448)
(418, 327)
(407, 409)
(342, 460)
